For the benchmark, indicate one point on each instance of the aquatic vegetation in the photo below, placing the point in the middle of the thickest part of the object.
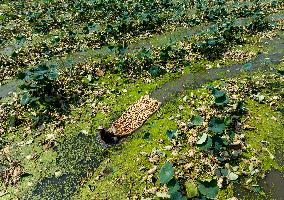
(166, 173)
(178, 150)
(221, 142)
(76, 33)
(74, 67)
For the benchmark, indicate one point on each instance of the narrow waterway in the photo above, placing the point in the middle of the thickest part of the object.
(263, 62)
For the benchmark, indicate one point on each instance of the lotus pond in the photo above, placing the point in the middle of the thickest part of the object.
(69, 67)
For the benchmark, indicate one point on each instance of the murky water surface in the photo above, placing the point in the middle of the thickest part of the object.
(77, 156)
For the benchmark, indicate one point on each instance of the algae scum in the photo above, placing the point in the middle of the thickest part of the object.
(76, 157)
(68, 68)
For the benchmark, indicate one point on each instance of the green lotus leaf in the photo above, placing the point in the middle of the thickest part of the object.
(220, 97)
(206, 145)
(53, 74)
(222, 100)
(216, 125)
(25, 98)
(166, 173)
(172, 134)
(248, 66)
(281, 72)
(197, 120)
(208, 188)
(224, 172)
(173, 186)
(155, 70)
(177, 196)
(219, 142)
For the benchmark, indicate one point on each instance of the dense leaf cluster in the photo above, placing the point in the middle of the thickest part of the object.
(219, 141)
(56, 28)
(64, 26)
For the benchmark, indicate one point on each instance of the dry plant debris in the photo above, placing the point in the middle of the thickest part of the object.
(135, 116)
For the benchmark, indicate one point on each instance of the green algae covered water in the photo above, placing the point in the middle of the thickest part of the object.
(77, 156)
(80, 155)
